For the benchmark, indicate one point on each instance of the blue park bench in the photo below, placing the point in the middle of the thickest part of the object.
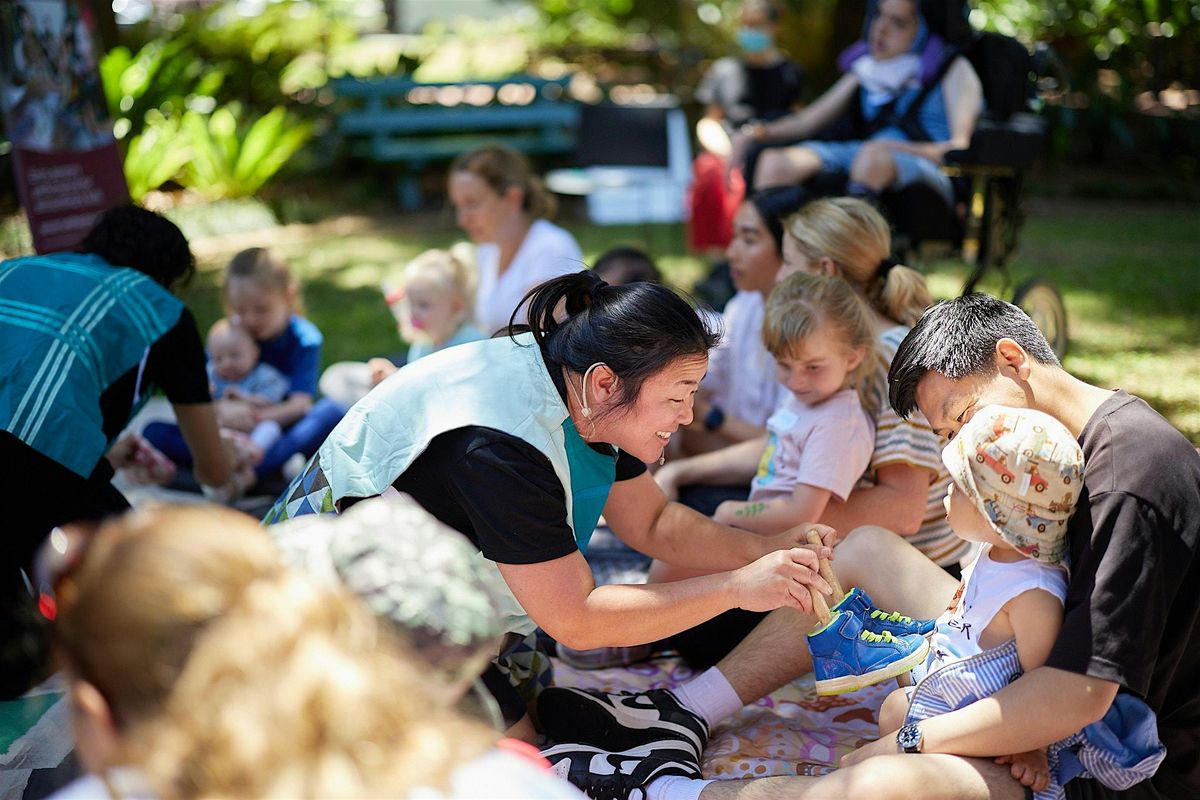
(412, 124)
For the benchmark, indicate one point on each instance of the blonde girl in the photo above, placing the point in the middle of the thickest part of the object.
(433, 305)
(819, 440)
(847, 238)
(200, 666)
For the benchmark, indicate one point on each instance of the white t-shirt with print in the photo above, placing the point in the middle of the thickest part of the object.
(741, 373)
(547, 252)
(986, 586)
(827, 446)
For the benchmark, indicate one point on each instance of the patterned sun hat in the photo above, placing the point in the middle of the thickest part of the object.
(1023, 470)
(410, 568)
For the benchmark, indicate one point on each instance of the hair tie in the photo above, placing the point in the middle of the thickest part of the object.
(885, 266)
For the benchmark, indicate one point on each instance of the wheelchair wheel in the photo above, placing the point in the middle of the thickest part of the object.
(1044, 305)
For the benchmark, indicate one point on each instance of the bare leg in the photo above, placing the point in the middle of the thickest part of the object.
(523, 729)
(874, 166)
(930, 777)
(892, 712)
(896, 575)
(785, 166)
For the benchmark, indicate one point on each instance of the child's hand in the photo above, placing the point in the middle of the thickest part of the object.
(1030, 768)
(380, 369)
(141, 462)
(237, 415)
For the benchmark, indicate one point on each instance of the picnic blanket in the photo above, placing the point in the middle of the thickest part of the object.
(790, 728)
(777, 735)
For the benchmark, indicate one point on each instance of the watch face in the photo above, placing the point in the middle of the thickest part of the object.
(909, 737)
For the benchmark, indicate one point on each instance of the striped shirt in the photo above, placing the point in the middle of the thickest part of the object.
(913, 442)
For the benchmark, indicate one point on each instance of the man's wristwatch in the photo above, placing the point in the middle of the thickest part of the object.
(910, 738)
(714, 419)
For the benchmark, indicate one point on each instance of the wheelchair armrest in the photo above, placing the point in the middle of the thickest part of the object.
(1013, 142)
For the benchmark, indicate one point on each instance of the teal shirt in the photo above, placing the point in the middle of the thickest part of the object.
(70, 326)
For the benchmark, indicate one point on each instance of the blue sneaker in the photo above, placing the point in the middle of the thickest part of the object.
(859, 603)
(846, 657)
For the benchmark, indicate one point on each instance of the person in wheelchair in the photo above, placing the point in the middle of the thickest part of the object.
(903, 102)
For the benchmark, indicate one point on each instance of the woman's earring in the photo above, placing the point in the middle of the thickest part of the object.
(662, 457)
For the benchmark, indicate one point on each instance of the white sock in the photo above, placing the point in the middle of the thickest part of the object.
(710, 695)
(675, 787)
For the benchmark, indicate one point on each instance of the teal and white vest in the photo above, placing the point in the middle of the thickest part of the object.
(70, 326)
(496, 383)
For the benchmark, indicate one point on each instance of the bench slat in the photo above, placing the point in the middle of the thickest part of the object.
(391, 87)
(417, 152)
(415, 119)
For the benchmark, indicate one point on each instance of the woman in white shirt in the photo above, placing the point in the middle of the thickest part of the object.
(504, 208)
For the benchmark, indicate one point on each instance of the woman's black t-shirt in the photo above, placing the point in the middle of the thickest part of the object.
(498, 490)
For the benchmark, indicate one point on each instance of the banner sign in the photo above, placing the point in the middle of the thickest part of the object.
(67, 164)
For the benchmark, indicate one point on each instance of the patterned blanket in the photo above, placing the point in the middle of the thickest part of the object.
(778, 735)
(789, 730)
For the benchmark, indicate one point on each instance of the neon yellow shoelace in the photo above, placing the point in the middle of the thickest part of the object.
(894, 616)
(885, 637)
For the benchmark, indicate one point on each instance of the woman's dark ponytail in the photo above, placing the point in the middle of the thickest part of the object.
(637, 329)
(541, 305)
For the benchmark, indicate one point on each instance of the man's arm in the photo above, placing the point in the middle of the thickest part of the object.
(821, 113)
(897, 502)
(963, 93)
(1038, 708)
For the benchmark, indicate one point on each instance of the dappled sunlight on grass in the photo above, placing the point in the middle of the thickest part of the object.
(1130, 277)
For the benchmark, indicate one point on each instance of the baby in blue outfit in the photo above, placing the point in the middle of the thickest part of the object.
(235, 371)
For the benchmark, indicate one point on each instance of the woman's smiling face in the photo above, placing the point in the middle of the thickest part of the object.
(664, 404)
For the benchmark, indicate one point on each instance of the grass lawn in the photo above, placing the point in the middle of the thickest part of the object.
(1130, 275)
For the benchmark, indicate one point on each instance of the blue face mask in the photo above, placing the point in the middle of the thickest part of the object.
(754, 40)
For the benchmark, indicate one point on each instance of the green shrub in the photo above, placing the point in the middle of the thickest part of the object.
(156, 155)
(232, 159)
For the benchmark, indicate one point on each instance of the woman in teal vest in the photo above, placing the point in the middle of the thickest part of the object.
(521, 442)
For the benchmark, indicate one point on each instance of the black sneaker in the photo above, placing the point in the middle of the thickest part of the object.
(622, 721)
(602, 775)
